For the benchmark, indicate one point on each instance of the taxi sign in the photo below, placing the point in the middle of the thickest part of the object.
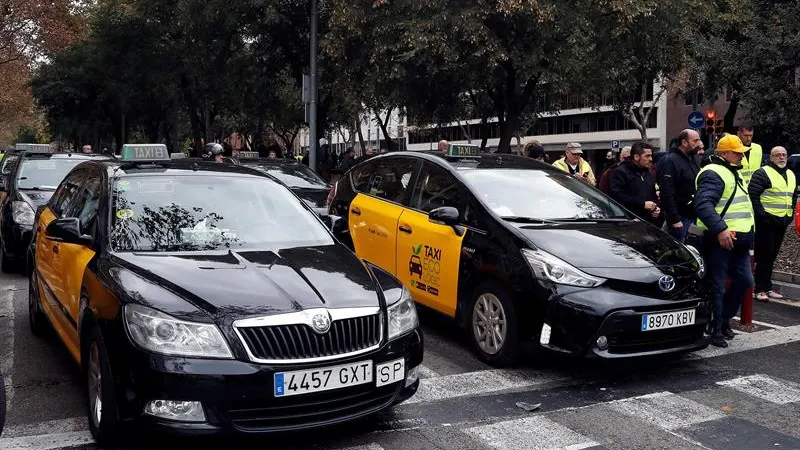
(144, 152)
(177, 155)
(463, 150)
(248, 155)
(38, 148)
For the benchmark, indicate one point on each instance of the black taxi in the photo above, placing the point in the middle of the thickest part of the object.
(30, 183)
(515, 250)
(203, 297)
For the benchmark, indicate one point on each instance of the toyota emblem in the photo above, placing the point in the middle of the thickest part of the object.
(666, 283)
(321, 323)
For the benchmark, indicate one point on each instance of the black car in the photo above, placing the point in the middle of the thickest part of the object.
(201, 297)
(515, 249)
(29, 184)
(302, 180)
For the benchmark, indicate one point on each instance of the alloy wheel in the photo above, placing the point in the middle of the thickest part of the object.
(489, 323)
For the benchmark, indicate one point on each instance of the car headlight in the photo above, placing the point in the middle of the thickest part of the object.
(164, 334)
(699, 258)
(547, 267)
(402, 315)
(22, 213)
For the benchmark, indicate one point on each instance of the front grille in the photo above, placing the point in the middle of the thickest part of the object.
(303, 411)
(647, 341)
(300, 341)
(685, 286)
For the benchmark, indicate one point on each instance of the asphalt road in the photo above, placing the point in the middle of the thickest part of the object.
(744, 397)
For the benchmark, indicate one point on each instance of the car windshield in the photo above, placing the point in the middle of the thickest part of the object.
(540, 195)
(294, 175)
(40, 173)
(206, 212)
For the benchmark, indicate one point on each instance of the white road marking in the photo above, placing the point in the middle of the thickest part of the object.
(763, 324)
(765, 388)
(425, 372)
(476, 383)
(753, 341)
(47, 441)
(7, 358)
(47, 427)
(530, 433)
(370, 446)
(665, 410)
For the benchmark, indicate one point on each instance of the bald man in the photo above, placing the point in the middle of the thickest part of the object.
(676, 174)
(443, 146)
(773, 193)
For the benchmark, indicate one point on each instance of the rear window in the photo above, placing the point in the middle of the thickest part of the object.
(44, 173)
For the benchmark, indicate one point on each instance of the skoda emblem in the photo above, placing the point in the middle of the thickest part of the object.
(321, 323)
(666, 283)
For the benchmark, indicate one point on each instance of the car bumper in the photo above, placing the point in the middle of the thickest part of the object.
(578, 319)
(237, 396)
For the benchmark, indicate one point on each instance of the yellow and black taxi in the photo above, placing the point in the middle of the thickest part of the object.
(300, 178)
(203, 297)
(516, 250)
(30, 183)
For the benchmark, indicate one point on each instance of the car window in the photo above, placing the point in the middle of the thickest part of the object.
(435, 188)
(361, 175)
(86, 205)
(203, 212)
(391, 178)
(44, 173)
(540, 194)
(66, 192)
(294, 175)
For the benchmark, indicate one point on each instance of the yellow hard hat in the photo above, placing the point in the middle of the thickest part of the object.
(731, 143)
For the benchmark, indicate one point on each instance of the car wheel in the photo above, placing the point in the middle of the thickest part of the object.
(36, 318)
(494, 325)
(103, 421)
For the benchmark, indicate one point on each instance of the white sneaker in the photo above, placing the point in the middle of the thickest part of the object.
(775, 295)
(762, 297)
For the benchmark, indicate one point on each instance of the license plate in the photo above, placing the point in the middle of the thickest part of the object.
(391, 372)
(322, 379)
(663, 321)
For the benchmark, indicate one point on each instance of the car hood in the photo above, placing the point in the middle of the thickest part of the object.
(234, 285)
(612, 249)
(36, 198)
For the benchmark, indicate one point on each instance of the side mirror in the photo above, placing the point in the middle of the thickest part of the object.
(445, 215)
(2, 183)
(68, 231)
(333, 222)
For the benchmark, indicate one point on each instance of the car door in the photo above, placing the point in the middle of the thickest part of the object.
(49, 280)
(382, 187)
(429, 254)
(71, 260)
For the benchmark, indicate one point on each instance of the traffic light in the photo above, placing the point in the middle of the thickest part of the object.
(709, 127)
(718, 126)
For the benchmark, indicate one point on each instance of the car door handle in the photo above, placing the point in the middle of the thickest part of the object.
(356, 211)
(405, 229)
(55, 249)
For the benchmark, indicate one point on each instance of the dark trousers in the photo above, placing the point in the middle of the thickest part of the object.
(680, 233)
(723, 265)
(769, 237)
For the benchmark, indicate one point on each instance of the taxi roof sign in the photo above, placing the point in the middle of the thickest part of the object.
(463, 150)
(38, 148)
(144, 152)
(248, 155)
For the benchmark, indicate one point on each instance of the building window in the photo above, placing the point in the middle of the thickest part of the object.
(689, 100)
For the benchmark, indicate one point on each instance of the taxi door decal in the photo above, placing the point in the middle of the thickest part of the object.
(428, 261)
(373, 228)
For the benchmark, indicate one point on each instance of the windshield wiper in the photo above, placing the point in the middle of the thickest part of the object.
(591, 219)
(523, 219)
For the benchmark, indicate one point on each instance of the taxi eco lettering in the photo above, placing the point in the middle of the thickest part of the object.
(425, 263)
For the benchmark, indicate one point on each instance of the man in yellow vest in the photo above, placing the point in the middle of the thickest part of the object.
(725, 214)
(752, 157)
(773, 192)
(574, 164)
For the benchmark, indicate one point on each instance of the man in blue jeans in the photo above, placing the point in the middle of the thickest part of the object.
(725, 214)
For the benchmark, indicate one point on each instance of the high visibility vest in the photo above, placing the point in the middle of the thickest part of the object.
(751, 164)
(739, 216)
(777, 200)
(583, 167)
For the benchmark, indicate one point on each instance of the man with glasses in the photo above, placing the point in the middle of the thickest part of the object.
(773, 192)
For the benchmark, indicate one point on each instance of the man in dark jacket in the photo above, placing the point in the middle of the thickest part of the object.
(605, 179)
(773, 192)
(349, 159)
(676, 174)
(633, 185)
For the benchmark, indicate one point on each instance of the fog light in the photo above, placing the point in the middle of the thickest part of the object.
(602, 342)
(176, 410)
(544, 338)
(412, 376)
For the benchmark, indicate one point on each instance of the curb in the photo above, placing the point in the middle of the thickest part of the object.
(788, 290)
(786, 277)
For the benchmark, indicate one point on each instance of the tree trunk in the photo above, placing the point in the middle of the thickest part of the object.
(484, 132)
(506, 134)
(730, 114)
(383, 124)
(360, 135)
(466, 131)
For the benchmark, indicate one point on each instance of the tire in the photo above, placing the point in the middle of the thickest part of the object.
(492, 302)
(36, 319)
(104, 424)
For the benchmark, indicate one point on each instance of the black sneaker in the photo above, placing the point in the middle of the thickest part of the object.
(719, 341)
(728, 334)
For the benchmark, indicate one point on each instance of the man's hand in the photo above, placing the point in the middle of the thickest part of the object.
(650, 206)
(726, 239)
(656, 212)
(677, 225)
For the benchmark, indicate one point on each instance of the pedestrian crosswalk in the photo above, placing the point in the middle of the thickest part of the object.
(722, 414)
